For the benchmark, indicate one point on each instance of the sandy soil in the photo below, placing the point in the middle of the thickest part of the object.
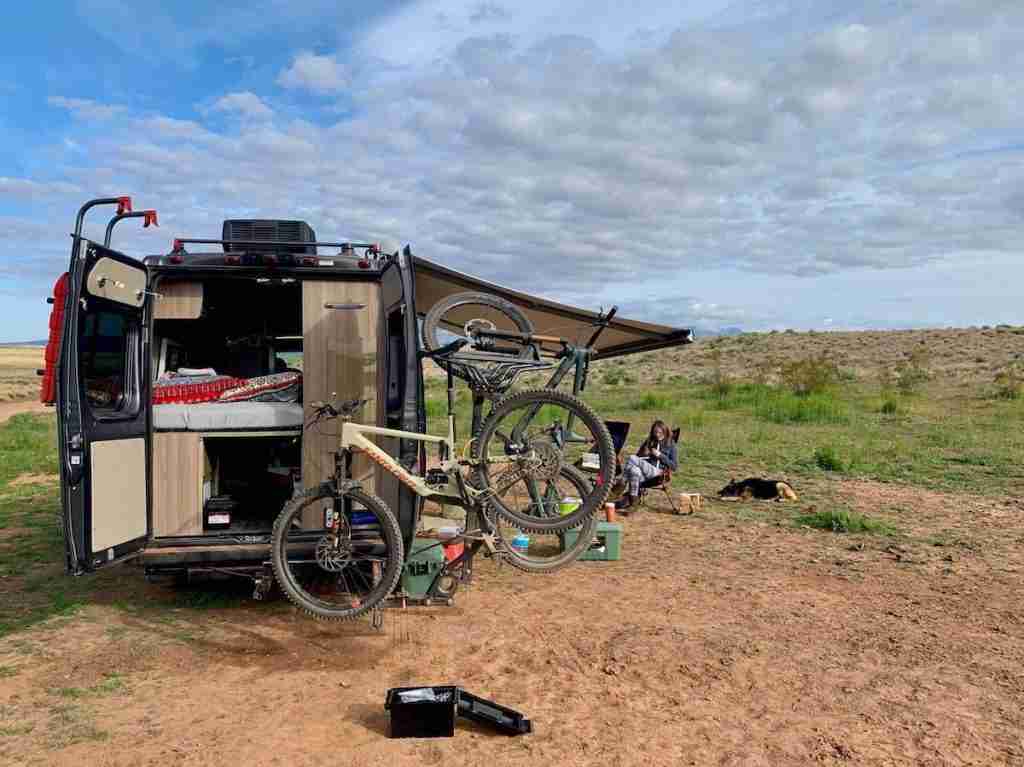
(720, 638)
(9, 409)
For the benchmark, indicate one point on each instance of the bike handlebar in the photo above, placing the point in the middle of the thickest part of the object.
(332, 410)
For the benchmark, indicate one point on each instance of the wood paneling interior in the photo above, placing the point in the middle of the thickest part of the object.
(118, 469)
(339, 358)
(177, 484)
(179, 300)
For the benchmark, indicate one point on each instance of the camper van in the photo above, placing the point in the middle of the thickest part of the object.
(183, 382)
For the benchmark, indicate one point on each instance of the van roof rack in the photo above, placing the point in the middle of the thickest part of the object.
(179, 244)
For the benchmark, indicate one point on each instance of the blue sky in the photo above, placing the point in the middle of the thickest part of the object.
(762, 164)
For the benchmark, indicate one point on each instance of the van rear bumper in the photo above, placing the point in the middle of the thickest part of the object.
(160, 557)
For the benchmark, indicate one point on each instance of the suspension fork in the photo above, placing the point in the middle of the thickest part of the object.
(343, 472)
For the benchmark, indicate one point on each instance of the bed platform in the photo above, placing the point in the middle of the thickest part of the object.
(228, 417)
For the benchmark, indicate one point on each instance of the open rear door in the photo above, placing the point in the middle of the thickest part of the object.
(103, 391)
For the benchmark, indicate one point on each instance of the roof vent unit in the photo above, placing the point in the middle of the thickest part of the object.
(252, 230)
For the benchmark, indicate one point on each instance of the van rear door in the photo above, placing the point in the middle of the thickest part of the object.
(102, 408)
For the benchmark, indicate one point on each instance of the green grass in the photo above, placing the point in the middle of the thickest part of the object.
(941, 439)
(652, 401)
(843, 521)
(33, 587)
(27, 445)
(111, 684)
(11, 732)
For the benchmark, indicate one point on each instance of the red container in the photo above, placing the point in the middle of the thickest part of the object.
(453, 550)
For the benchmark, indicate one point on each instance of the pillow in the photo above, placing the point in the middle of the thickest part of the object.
(183, 389)
(279, 387)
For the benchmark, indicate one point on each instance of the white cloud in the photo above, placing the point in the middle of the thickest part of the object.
(765, 151)
(244, 103)
(172, 128)
(86, 109)
(23, 188)
(320, 74)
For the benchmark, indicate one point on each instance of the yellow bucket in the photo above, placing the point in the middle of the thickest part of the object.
(569, 505)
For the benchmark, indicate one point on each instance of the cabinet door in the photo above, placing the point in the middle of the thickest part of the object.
(340, 322)
(177, 484)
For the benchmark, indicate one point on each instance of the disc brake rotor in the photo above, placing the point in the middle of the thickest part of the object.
(544, 461)
(333, 557)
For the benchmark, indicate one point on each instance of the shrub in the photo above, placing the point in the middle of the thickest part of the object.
(828, 459)
(907, 376)
(765, 370)
(808, 376)
(611, 379)
(1010, 381)
(843, 521)
(721, 383)
(889, 407)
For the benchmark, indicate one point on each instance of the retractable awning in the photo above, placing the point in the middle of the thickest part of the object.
(435, 283)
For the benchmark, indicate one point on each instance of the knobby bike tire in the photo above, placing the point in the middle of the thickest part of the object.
(432, 324)
(584, 535)
(602, 479)
(288, 581)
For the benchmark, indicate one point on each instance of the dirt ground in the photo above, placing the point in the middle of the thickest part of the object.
(724, 637)
(11, 409)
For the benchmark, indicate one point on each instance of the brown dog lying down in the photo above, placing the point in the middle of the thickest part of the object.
(759, 488)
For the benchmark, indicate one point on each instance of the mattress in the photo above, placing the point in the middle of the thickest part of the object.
(228, 416)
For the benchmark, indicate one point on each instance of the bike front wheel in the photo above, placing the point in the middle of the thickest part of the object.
(458, 315)
(335, 556)
(526, 440)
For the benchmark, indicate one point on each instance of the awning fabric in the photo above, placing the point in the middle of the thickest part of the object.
(435, 283)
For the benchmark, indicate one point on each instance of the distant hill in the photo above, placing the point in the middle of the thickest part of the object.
(23, 343)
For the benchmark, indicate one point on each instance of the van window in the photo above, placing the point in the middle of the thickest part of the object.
(104, 361)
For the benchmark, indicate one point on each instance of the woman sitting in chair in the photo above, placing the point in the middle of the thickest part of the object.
(656, 454)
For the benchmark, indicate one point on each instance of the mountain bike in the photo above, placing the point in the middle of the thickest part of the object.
(337, 549)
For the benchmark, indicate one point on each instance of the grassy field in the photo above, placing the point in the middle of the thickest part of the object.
(948, 429)
(18, 379)
(953, 430)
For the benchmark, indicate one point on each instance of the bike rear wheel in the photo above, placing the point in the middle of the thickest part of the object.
(342, 572)
(528, 438)
(547, 552)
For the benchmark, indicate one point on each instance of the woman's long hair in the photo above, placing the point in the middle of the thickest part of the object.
(651, 439)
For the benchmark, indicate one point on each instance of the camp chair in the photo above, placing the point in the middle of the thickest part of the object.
(664, 480)
(619, 431)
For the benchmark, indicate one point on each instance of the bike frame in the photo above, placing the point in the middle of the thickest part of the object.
(354, 437)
